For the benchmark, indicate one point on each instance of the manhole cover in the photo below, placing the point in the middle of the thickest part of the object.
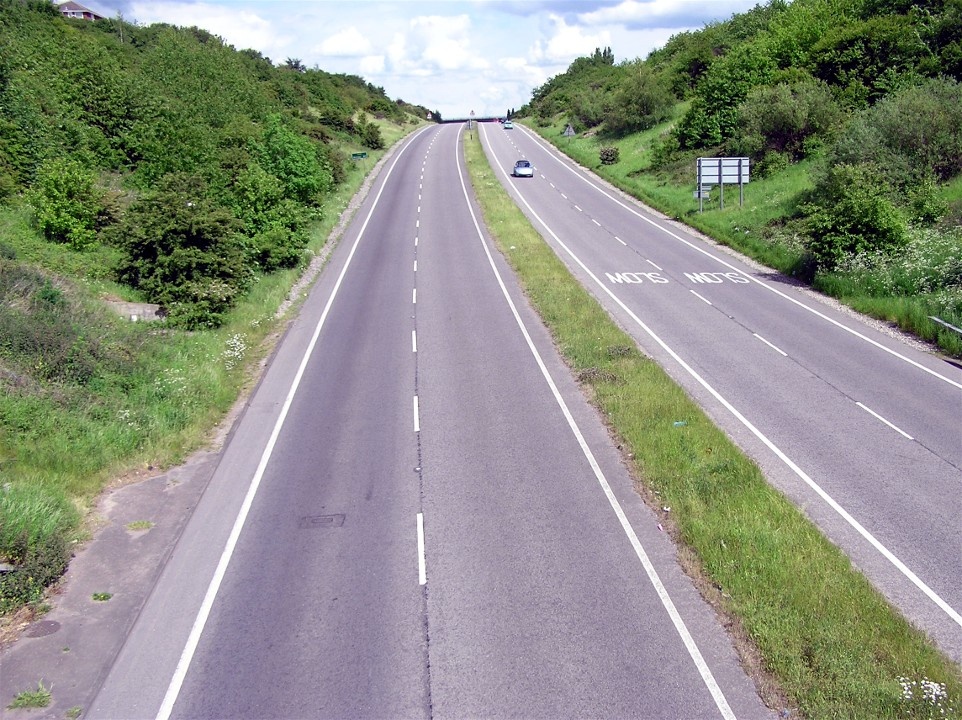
(319, 522)
(42, 628)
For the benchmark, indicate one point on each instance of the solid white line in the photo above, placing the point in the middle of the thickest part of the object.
(422, 566)
(753, 279)
(885, 552)
(770, 345)
(417, 420)
(653, 265)
(699, 297)
(414, 341)
(879, 417)
(187, 655)
(641, 554)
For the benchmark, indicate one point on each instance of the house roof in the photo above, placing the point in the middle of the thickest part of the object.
(75, 7)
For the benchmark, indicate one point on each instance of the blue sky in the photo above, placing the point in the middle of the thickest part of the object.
(455, 56)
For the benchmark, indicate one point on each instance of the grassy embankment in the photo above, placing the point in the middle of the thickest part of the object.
(149, 397)
(759, 228)
(831, 642)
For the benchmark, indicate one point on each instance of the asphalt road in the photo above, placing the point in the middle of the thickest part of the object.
(860, 429)
(418, 514)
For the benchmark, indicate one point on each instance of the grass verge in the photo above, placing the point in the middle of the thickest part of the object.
(832, 643)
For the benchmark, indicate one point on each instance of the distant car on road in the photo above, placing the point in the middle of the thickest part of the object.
(523, 168)
(508, 125)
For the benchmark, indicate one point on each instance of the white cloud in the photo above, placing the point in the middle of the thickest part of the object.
(679, 14)
(241, 28)
(346, 43)
(566, 43)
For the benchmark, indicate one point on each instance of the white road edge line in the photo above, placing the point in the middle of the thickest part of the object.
(778, 350)
(755, 280)
(666, 601)
(180, 672)
(879, 417)
(422, 566)
(953, 614)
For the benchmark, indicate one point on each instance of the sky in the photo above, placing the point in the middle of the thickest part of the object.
(453, 56)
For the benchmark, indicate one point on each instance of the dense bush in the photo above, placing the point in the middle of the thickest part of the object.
(713, 115)
(184, 252)
(866, 60)
(852, 213)
(913, 134)
(641, 101)
(66, 202)
(609, 155)
(788, 119)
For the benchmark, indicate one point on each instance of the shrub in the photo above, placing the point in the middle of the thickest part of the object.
(185, 253)
(294, 160)
(784, 119)
(609, 155)
(852, 214)
(642, 101)
(66, 203)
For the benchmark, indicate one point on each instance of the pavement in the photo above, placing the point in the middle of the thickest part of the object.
(71, 648)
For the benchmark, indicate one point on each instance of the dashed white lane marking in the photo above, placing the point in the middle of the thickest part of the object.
(699, 297)
(417, 419)
(653, 265)
(879, 417)
(621, 241)
(415, 266)
(680, 627)
(596, 222)
(414, 297)
(414, 341)
(578, 209)
(422, 566)
(770, 345)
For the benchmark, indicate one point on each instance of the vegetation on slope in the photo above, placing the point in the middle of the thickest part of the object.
(851, 114)
(149, 164)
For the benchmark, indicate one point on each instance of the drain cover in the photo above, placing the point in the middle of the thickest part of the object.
(42, 628)
(319, 522)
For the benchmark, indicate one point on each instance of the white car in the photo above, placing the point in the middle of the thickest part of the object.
(523, 168)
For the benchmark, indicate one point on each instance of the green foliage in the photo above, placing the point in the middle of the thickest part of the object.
(786, 119)
(713, 115)
(34, 528)
(66, 203)
(913, 134)
(641, 101)
(294, 160)
(184, 252)
(609, 155)
(865, 60)
(850, 214)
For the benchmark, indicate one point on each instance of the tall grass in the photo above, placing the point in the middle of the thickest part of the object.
(835, 647)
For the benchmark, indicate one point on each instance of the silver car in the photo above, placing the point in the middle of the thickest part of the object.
(523, 168)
